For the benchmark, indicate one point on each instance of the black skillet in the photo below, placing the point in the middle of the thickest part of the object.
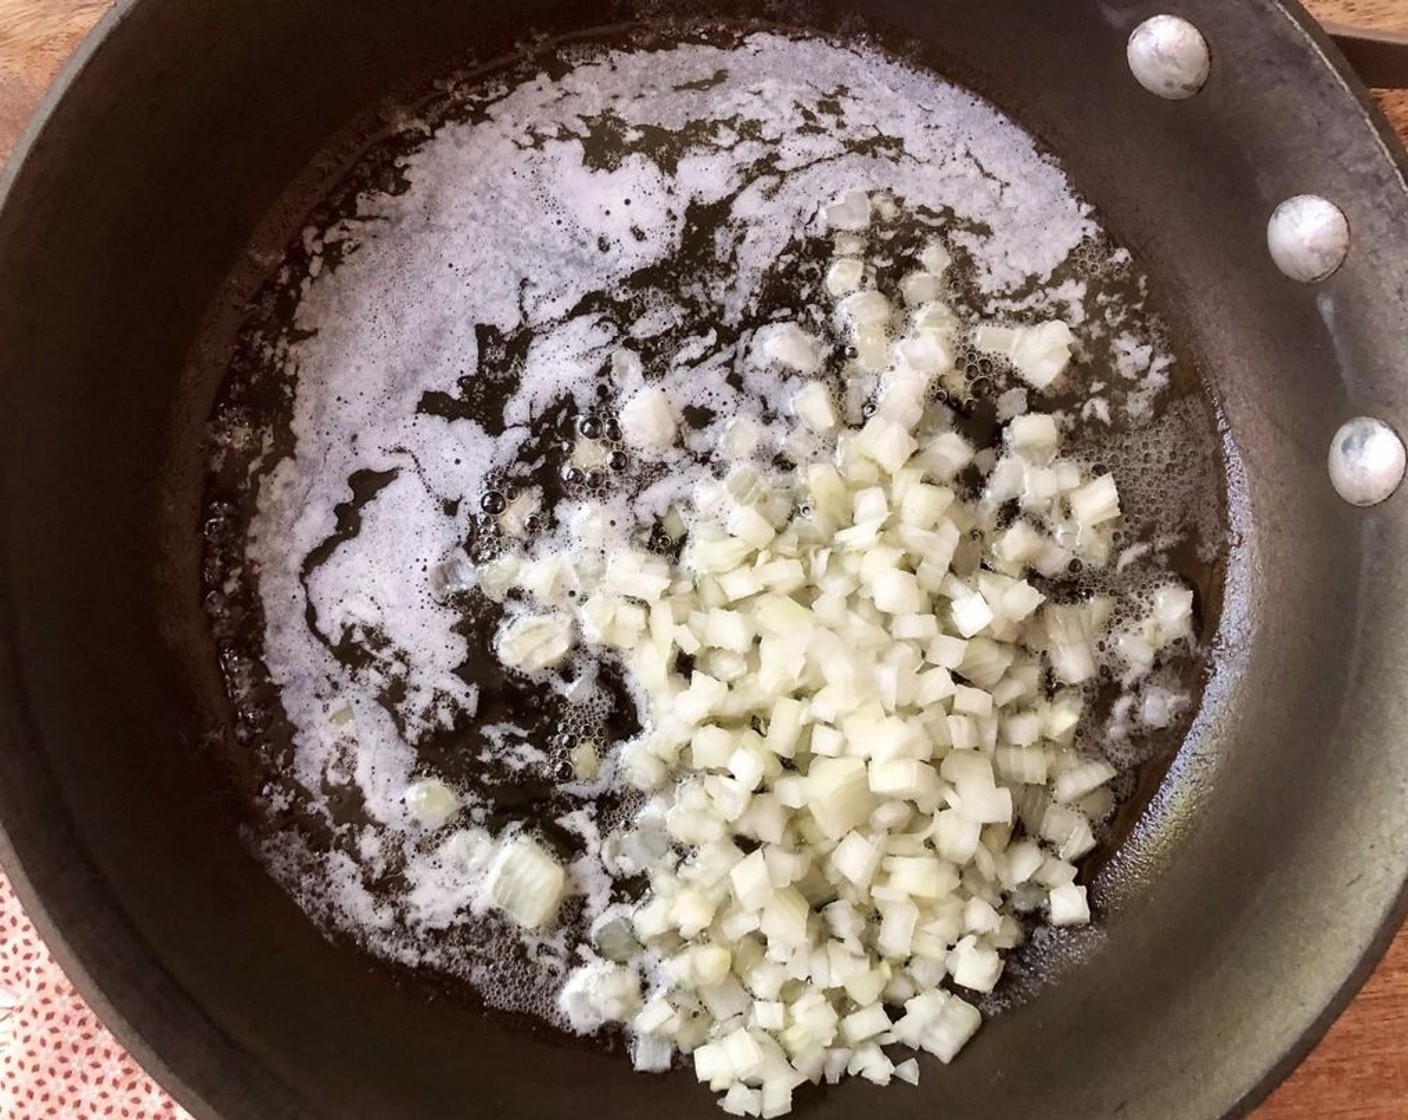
(1261, 882)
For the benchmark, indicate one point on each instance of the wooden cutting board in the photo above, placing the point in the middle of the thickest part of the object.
(1360, 1071)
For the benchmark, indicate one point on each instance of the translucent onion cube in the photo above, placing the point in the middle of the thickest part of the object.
(921, 287)
(838, 794)
(844, 276)
(904, 779)
(784, 919)
(790, 346)
(934, 257)
(651, 1055)
(974, 966)
(1034, 434)
(1039, 354)
(1173, 613)
(431, 802)
(1096, 502)
(865, 1023)
(1082, 779)
(814, 407)
(1069, 906)
(647, 421)
(925, 352)
(534, 642)
(897, 592)
(956, 836)
(971, 615)
(867, 309)
(526, 883)
(857, 858)
(849, 211)
(897, 924)
(752, 885)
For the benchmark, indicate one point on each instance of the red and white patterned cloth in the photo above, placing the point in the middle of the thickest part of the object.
(57, 1062)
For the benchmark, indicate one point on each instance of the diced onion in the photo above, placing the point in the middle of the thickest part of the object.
(1039, 354)
(526, 883)
(856, 771)
(647, 420)
(790, 346)
(534, 642)
(849, 211)
(431, 802)
(844, 276)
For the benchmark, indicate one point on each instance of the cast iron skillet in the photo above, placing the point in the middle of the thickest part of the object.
(1262, 881)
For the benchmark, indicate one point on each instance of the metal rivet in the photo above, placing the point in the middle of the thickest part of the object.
(1367, 461)
(1308, 237)
(1169, 57)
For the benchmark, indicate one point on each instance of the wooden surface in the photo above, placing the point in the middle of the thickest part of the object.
(1360, 1071)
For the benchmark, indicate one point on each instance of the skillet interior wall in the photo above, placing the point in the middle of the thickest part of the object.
(138, 198)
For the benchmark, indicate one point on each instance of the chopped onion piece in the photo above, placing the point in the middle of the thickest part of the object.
(935, 257)
(790, 346)
(526, 883)
(857, 859)
(651, 1055)
(431, 802)
(1069, 906)
(865, 1023)
(844, 276)
(848, 244)
(866, 309)
(1040, 354)
(971, 615)
(838, 794)
(1096, 502)
(534, 642)
(974, 966)
(1082, 779)
(849, 211)
(813, 406)
(586, 763)
(921, 287)
(647, 420)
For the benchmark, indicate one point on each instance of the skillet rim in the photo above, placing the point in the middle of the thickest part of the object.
(135, 1025)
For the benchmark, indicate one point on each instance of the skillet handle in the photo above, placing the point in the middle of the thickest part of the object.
(1380, 58)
